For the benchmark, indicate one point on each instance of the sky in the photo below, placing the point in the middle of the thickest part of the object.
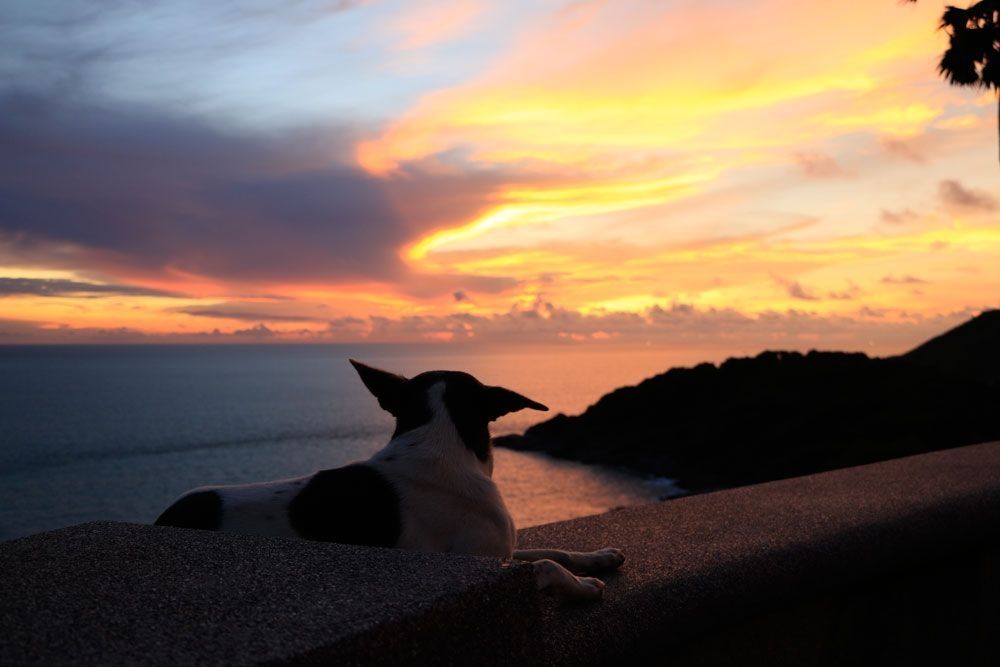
(715, 174)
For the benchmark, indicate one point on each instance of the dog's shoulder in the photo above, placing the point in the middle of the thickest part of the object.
(354, 504)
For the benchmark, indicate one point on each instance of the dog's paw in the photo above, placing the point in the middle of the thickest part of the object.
(589, 588)
(597, 561)
(553, 578)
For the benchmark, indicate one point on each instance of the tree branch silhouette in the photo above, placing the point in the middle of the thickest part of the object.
(973, 55)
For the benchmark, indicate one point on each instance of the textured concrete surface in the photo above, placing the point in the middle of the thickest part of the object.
(116, 594)
(944, 612)
(787, 569)
(700, 563)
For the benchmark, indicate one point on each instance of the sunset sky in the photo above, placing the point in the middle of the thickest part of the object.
(715, 173)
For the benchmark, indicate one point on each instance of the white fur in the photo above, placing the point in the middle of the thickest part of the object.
(260, 508)
(448, 500)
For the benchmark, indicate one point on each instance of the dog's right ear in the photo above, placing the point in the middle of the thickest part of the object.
(388, 388)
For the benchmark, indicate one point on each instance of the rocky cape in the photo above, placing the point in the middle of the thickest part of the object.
(784, 414)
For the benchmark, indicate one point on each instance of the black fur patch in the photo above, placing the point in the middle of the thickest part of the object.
(196, 510)
(473, 425)
(463, 398)
(413, 411)
(350, 505)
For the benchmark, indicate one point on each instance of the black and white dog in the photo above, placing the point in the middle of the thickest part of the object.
(429, 489)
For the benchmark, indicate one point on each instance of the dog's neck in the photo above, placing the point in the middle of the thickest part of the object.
(441, 441)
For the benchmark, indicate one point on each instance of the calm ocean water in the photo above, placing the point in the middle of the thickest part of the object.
(118, 432)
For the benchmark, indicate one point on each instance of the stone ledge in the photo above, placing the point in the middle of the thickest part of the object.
(107, 593)
(114, 593)
(706, 561)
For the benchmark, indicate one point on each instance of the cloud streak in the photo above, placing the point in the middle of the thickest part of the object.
(48, 287)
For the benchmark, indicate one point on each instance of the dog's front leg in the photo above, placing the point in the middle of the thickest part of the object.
(581, 562)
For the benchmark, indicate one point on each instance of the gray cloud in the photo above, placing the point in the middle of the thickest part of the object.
(898, 217)
(819, 165)
(259, 309)
(902, 280)
(795, 289)
(248, 316)
(73, 288)
(22, 331)
(954, 195)
(911, 149)
(258, 331)
(851, 292)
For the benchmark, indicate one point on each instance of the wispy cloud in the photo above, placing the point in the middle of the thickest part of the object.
(819, 165)
(906, 148)
(429, 23)
(899, 217)
(249, 316)
(851, 292)
(796, 290)
(73, 288)
(902, 280)
(956, 196)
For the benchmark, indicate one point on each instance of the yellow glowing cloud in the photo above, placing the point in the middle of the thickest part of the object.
(642, 110)
(656, 87)
(36, 273)
(835, 275)
(903, 120)
(530, 206)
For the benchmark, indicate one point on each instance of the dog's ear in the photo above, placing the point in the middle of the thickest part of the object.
(387, 387)
(500, 401)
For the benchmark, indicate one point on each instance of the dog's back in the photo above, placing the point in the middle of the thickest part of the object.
(351, 505)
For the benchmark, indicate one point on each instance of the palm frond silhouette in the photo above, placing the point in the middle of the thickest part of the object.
(973, 54)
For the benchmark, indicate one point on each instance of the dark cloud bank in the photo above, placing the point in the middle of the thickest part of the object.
(135, 195)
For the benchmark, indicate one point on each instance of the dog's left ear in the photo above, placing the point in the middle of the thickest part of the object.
(500, 401)
(388, 388)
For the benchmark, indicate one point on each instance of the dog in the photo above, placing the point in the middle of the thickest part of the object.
(429, 489)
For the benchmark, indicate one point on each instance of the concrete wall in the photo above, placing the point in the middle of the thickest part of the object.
(896, 561)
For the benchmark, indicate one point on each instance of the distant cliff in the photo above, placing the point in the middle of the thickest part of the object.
(782, 414)
(972, 348)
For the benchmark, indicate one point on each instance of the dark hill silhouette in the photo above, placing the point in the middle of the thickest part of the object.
(972, 348)
(783, 414)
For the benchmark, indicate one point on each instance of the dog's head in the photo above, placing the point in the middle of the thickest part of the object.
(467, 402)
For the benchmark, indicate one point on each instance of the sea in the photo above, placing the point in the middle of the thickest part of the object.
(117, 432)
